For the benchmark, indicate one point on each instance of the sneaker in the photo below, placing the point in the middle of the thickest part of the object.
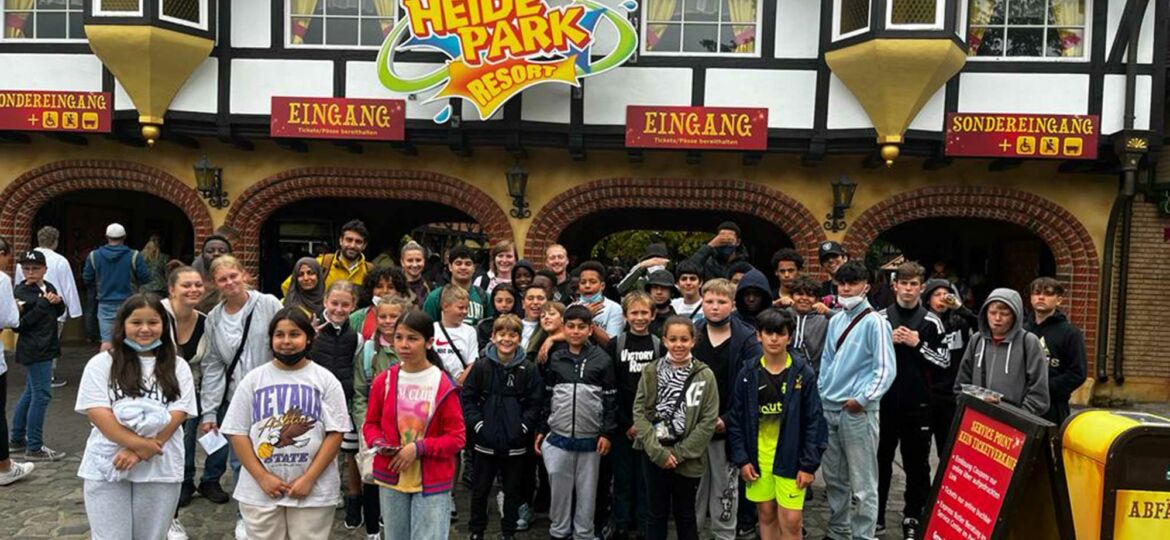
(525, 518)
(16, 446)
(186, 493)
(15, 472)
(374, 536)
(353, 512)
(454, 511)
(241, 530)
(745, 534)
(475, 536)
(58, 383)
(880, 529)
(44, 454)
(213, 492)
(500, 503)
(176, 532)
(910, 529)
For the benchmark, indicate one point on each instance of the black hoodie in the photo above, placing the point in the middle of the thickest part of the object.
(753, 279)
(1064, 347)
(713, 265)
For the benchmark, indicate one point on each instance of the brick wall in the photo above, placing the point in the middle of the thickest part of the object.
(1146, 309)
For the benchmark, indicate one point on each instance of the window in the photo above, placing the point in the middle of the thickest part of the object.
(1026, 28)
(117, 8)
(339, 23)
(185, 12)
(852, 18)
(914, 14)
(42, 19)
(701, 27)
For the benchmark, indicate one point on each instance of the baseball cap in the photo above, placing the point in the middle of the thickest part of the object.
(830, 248)
(661, 278)
(32, 257)
(655, 250)
(115, 230)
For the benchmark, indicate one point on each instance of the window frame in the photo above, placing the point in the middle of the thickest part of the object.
(289, 45)
(939, 17)
(201, 25)
(67, 11)
(96, 12)
(836, 22)
(644, 22)
(1087, 46)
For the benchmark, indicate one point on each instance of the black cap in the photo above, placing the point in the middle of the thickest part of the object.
(32, 257)
(729, 226)
(661, 278)
(656, 250)
(830, 248)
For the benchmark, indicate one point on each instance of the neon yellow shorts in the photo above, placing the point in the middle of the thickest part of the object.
(776, 488)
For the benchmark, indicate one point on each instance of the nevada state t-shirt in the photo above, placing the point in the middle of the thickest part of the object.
(287, 414)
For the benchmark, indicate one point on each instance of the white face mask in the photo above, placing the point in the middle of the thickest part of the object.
(850, 302)
(655, 268)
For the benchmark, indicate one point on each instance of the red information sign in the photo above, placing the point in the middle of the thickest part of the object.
(1022, 135)
(978, 474)
(703, 128)
(37, 110)
(338, 118)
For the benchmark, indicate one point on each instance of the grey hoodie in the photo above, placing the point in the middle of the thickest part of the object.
(219, 351)
(1015, 367)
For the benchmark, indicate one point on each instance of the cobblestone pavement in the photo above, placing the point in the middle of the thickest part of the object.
(49, 504)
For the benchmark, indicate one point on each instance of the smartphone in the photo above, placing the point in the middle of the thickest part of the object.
(388, 450)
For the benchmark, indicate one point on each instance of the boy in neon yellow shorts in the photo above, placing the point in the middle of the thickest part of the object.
(775, 428)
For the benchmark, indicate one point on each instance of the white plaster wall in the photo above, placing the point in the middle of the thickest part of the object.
(1030, 93)
(254, 82)
(251, 23)
(1145, 40)
(546, 103)
(608, 94)
(798, 25)
(789, 96)
(845, 112)
(200, 93)
(932, 115)
(1113, 103)
(62, 72)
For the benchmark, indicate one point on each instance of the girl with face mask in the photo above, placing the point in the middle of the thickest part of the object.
(285, 422)
(136, 395)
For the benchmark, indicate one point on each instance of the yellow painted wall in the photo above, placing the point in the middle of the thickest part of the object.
(1088, 197)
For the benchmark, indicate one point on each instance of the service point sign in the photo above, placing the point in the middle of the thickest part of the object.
(1022, 136)
(697, 128)
(338, 118)
(36, 110)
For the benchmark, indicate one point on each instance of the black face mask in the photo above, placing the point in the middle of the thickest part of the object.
(291, 359)
(720, 323)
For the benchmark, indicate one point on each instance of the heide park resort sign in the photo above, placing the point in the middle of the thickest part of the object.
(496, 49)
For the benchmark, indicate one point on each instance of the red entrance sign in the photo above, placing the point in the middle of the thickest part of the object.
(338, 118)
(1022, 136)
(36, 110)
(702, 128)
(979, 471)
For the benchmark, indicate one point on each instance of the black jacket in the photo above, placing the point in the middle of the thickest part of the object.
(335, 349)
(713, 267)
(911, 390)
(580, 398)
(38, 324)
(1064, 346)
(753, 279)
(501, 404)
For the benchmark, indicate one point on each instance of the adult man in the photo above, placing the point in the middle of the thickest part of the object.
(462, 267)
(348, 263)
(9, 318)
(715, 257)
(942, 298)
(857, 368)
(556, 258)
(905, 419)
(59, 273)
(786, 264)
(1063, 343)
(115, 270)
(214, 247)
(831, 256)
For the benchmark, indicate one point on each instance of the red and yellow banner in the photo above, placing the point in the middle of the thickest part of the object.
(1022, 135)
(490, 85)
(338, 118)
(702, 128)
(38, 110)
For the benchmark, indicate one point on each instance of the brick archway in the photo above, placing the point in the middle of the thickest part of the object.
(1077, 262)
(257, 203)
(21, 200)
(675, 193)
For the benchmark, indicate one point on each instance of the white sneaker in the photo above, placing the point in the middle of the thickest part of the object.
(374, 536)
(241, 530)
(176, 532)
(500, 503)
(16, 472)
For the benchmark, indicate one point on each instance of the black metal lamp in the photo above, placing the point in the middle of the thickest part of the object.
(209, 183)
(843, 189)
(517, 187)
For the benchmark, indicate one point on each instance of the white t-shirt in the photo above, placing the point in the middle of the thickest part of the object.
(681, 307)
(232, 328)
(287, 414)
(527, 328)
(97, 391)
(465, 338)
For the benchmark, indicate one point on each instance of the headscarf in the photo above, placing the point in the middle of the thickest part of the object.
(312, 301)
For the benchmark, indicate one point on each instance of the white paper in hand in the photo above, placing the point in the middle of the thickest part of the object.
(212, 441)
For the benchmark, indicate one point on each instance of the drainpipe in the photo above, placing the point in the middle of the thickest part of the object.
(1129, 164)
(1105, 290)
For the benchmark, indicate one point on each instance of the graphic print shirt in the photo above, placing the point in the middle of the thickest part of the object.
(287, 414)
(416, 406)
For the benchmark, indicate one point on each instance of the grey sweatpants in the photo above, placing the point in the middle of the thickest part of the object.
(718, 493)
(570, 472)
(130, 510)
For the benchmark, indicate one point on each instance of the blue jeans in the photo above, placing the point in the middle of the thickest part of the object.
(29, 416)
(414, 516)
(105, 313)
(850, 468)
(217, 463)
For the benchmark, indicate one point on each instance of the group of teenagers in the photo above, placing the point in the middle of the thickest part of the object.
(703, 397)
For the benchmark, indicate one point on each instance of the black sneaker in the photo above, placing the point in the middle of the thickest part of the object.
(213, 492)
(353, 512)
(16, 446)
(44, 454)
(57, 383)
(186, 493)
(910, 529)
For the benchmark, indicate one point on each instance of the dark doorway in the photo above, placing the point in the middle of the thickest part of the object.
(980, 254)
(312, 227)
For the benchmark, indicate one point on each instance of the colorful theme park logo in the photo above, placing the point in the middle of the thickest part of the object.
(498, 48)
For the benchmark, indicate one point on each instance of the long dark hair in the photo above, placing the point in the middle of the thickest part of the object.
(297, 316)
(126, 370)
(418, 321)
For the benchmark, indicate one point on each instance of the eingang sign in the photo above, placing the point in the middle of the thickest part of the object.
(498, 48)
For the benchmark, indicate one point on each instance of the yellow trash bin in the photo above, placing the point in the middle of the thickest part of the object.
(1117, 467)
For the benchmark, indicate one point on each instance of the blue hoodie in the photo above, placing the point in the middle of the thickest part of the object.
(864, 368)
(109, 267)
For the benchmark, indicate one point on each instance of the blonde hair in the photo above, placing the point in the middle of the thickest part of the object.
(452, 294)
(636, 296)
(553, 306)
(396, 300)
(507, 323)
(225, 261)
(720, 286)
(343, 286)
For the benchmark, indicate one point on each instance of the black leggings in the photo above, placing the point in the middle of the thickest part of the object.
(371, 510)
(3, 416)
(671, 495)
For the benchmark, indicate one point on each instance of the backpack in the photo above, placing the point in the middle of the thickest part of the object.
(621, 343)
(328, 259)
(133, 264)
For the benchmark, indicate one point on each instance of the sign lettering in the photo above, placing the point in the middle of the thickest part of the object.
(1022, 136)
(723, 128)
(35, 110)
(338, 118)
